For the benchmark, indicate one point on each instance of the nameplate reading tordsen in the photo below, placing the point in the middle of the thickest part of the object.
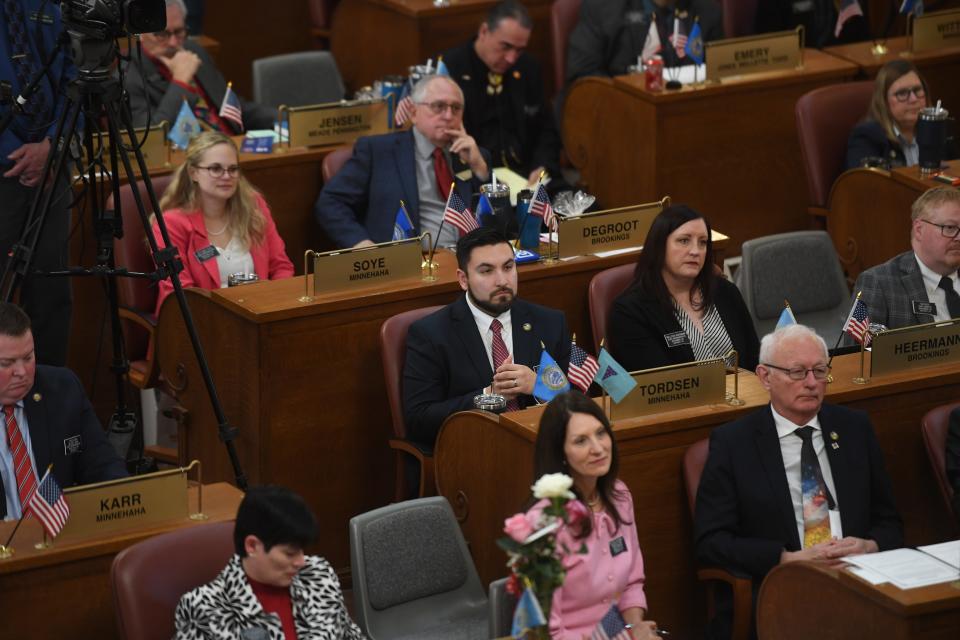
(130, 503)
(923, 345)
(753, 54)
(622, 228)
(671, 388)
(936, 30)
(155, 147)
(334, 123)
(367, 267)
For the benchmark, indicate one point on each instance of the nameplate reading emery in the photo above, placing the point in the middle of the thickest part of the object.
(155, 147)
(754, 54)
(334, 123)
(916, 347)
(675, 387)
(936, 30)
(367, 267)
(622, 228)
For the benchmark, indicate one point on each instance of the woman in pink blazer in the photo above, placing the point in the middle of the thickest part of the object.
(219, 223)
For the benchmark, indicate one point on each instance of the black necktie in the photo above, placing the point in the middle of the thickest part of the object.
(953, 298)
(24, 62)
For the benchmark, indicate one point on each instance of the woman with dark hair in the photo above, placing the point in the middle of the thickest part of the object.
(678, 309)
(575, 439)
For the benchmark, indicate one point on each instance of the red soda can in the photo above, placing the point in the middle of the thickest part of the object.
(653, 73)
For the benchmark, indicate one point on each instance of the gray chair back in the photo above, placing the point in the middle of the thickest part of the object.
(801, 267)
(297, 79)
(413, 576)
(502, 606)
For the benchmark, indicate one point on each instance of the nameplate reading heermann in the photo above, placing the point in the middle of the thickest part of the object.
(334, 123)
(672, 388)
(917, 347)
(367, 267)
(606, 230)
(753, 54)
(936, 30)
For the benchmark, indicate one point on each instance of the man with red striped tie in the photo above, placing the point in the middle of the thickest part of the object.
(47, 419)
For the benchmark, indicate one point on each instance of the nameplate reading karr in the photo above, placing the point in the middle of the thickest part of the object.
(334, 123)
(754, 54)
(367, 267)
(936, 30)
(916, 347)
(622, 228)
(675, 387)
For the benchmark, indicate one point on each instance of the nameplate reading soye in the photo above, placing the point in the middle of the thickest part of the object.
(334, 123)
(936, 30)
(367, 267)
(916, 347)
(674, 387)
(754, 54)
(155, 147)
(622, 228)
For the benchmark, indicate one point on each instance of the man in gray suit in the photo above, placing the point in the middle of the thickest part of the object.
(921, 285)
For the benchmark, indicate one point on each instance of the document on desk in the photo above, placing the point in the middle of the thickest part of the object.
(948, 552)
(906, 568)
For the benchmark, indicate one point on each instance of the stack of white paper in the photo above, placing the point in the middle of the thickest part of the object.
(906, 568)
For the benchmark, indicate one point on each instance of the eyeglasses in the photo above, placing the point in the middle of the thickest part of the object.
(904, 94)
(179, 34)
(946, 230)
(217, 171)
(820, 372)
(439, 107)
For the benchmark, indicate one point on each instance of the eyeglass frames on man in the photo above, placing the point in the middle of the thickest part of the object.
(946, 230)
(820, 372)
(438, 107)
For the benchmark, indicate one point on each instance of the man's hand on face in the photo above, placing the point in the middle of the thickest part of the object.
(463, 144)
(183, 65)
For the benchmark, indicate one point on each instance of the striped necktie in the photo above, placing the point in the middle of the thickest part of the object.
(26, 478)
(500, 354)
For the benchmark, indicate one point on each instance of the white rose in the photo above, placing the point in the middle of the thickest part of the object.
(553, 485)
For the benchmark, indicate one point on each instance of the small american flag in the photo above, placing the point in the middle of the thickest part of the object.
(404, 106)
(540, 206)
(583, 367)
(611, 627)
(48, 505)
(858, 323)
(230, 109)
(848, 9)
(458, 214)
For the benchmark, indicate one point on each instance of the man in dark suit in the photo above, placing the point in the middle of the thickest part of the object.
(921, 285)
(176, 69)
(47, 415)
(452, 355)
(358, 207)
(796, 480)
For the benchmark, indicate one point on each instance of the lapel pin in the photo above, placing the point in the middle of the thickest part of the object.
(466, 77)
(37, 397)
(835, 445)
(516, 75)
(527, 326)
(834, 436)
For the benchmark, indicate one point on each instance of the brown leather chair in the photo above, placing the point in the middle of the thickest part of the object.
(564, 15)
(603, 290)
(393, 351)
(693, 462)
(934, 428)
(148, 578)
(321, 21)
(334, 161)
(739, 18)
(825, 117)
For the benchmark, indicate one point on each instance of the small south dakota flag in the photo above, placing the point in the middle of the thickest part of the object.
(551, 381)
(185, 127)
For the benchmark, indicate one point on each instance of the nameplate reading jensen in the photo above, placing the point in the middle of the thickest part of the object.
(155, 147)
(916, 347)
(334, 123)
(128, 503)
(754, 54)
(675, 387)
(367, 267)
(936, 30)
(622, 228)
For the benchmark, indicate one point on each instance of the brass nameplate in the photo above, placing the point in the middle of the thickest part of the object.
(622, 228)
(129, 503)
(334, 123)
(916, 347)
(367, 267)
(754, 54)
(675, 387)
(155, 147)
(936, 30)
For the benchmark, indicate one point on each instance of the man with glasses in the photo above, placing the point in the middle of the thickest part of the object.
(795, 480)
(920, 285)
(358, 206)
(174, 69)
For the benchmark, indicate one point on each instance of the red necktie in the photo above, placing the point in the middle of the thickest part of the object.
(500, 353)
(442, 171)
(26, 479)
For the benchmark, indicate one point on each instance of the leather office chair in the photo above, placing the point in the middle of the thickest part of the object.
(934, 428)
(297, 79)
(321, 21)
(603, 290)
(334, 161)
(413, 576)
(739, 18)
(148, 578)
(393, 351)
(825, 118)
(693, 462)
(502, 606)
(564, 15)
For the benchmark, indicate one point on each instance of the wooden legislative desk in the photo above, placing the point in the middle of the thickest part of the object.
(64, 591)
(484, 466)
(729, 150)
(805, 600)
(374, 38)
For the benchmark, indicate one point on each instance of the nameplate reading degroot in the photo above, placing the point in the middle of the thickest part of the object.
(334, 123)
(129, 503)
(936, 30)
(753, 54)
(606, 230)
(671, 388)
(367, 267)
(923, 345)
(155, 147)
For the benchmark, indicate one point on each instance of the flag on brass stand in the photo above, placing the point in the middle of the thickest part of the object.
(551, 381)
(694, 46)
(583, 367)
(230, 108)
(612, 626)
(48, 505)
(404, 108)
(858, 322)
(402, 225)
(457, 213)
(185, 127)
(786, 317)
(846, 10)
(911, 6)
(442, 67)
(651, 46)
(540, 206)
(614, 379)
